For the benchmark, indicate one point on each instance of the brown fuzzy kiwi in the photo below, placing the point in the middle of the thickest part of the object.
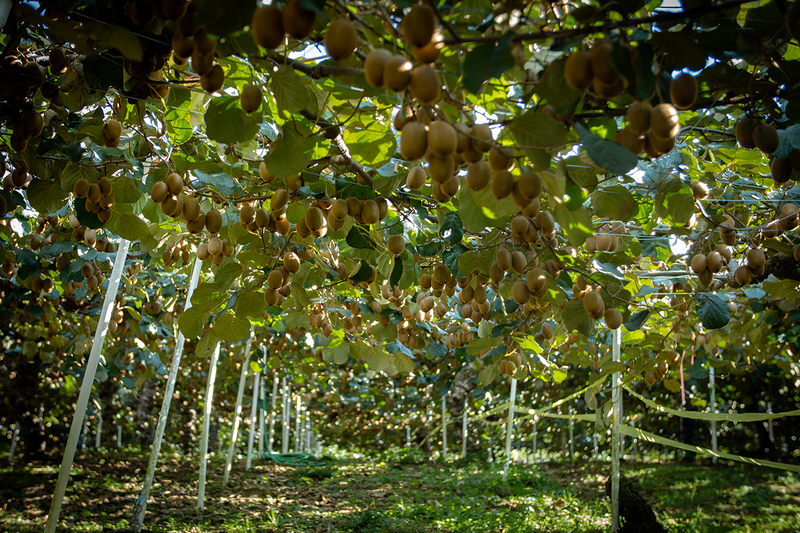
(462, 137)
(425, 84)
(112, 129)
(267, 26)
(182, 45)
(481, 138)
(339, 209)
(247, 215)
(662, 146)
(354, 207)
(664, 122)
(174, 184)
(213, 81)
(191, 209)
(416, 178)
(395, 244)
(593, 305)
(699, 190)
(638, 116)
(781, 170)
(478, 175)
(788, 216)
(502, 184)
(765, 138)
(81, 188)
(756, 259)
(578, 70)
(714, 261)
(373, 66)
(341, 39)
(441, 138)
(613, 318)
(699, 263)
(520, 292)
(503, 259)
(275, 279)
(213, 221)
(501, 158)
(397, 73)
(314, 218)
(431, 51)
(297, 20)
(744, 131)
(58, 61)
(519, 225)
(215, 246)
(743, 275)
(441, 169)
(518, 261)
(418, 25)
(683, 91)
(279, 200)
(530, 185)
(250, 98)
(600, 58)
(370, 212)
(634, 142)
(414, 140)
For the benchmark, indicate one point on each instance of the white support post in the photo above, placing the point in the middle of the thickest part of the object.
(769, 411)
(596, 447)
(14, 437)
(84, 431)
(308, 433)
(713, 392)
(444, 429)
(287, 405)
(616, 395)
(273, 414)
(253, 414)
(237, 411)
(98, 436)
(140, 507)
(119, 436)
(535, 437)
(212, 375)
(510, 427)
(261, 408)
(635, 443)
(86, 386)
(464, 422)
(571, 438)
(297, 436)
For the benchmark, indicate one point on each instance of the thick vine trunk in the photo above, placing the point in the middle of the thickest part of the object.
(105, 393)
(144, 427)
(464, 383)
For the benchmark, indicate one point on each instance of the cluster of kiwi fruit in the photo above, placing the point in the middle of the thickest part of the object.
(118, 324)
(176, 251)
(18, 177)
(752, 133)
(455, 339)
(215, 249)
(271, 24)
(659, 371)
(510, 364)
(606, 239)
(99, 197)
(279, 278)
(112, 133)
(169, 195)
(364, 212)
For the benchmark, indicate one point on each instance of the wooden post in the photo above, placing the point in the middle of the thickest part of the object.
(616, 395)
(510, 427)
(212, 375)
(86, 386)
(237, 411)
(713, 410)
(140, 507)
(253, 415)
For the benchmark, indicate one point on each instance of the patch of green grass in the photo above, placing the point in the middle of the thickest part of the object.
(317, 473)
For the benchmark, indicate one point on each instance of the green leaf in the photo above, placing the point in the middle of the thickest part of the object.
(607, 154)
(486, 61)
(712, 310)
(436, 349)
(450, 258)
(223, 183)
(289, 90)
(129, 227)
(636, 320)
(46, 196)
(226, 121)
(86, 218)
(370, 147)
(470, 214)
(290, 153)
(72, 173)
(452, 229)
(537, 135)
(178, 116)
(359, 238)
(496, 211)
(575, 318)
(207, 297)
(478, 345)
(577, 224)
(468, 262)
(191, 322)
(206, 345)
(224, 18)
(301, 298)
(614, 202)
(553, 88)
(250, 304)
(402, 362)
(231, 328)
(338, 354)
(295, 212)
(397, 272)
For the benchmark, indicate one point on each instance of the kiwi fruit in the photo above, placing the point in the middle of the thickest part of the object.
(425, 84)
(247, 215)
(683, 91)
(536, 280)
(414, 140)
(58, 61)
(416, 178)
(250, 98)
(765, 138)
(578, 70)
(34, 123)
(481, 138)
(664, 122)
(213, 81)
(279, 200)
(191, 209)
(174, 184)
(503, 259)
(478, 175)
(502, 184)
(418, 25)
(520, 292)
(662, 146)
(441, 138)
(638, 116)
(182, 46)
(518, 261)
(370, 212)
(374, 64)
(202, 64)
(431, 51)
(81, 188)
(215, 246)
(600, 59)
(519, 225)
(699, 190)
(112, 129)
(743, 275)
(756, 259)
(501, 158)
(781, 170)
(314, 219)
(395, 244)
(397, 73)
(631, 140)
(593, 304)
(613, 318)
(530, 185)
(744, 131)
(275, 279)
(341, 39)
(699, 263)
(441, 169)
(298, 22)
(213, 221)
(788, 217)
(714, 261)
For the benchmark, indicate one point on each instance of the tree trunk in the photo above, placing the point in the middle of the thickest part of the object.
(463, 384)
(145, 429)
(106, 392)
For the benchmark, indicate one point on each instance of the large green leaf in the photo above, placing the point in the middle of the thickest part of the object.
(192, 321)
(537, 135)
(712, 310)
(371, 147)
(46, 196)
(291, 152)
(553, 88)
(227, 123)
(577, 224)
(250, 304)
(614, 202)
(231, 328)
(607, 154)
(575, 318)
(129, 227)
(487, 60)
(178, 116)
(289, 89)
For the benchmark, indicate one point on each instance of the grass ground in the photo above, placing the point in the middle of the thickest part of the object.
(396, 493)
